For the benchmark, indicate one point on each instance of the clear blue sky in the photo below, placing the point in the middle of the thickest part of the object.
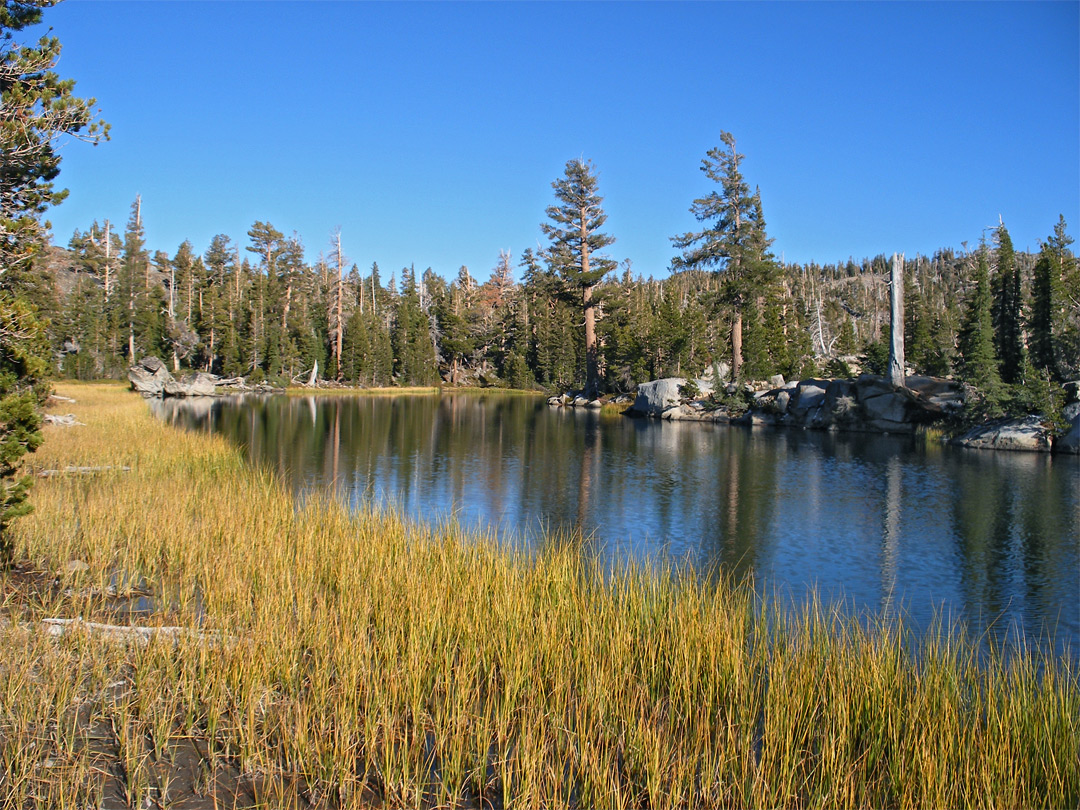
(431, 132)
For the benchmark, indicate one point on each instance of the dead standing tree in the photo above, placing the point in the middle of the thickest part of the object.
(896, 312)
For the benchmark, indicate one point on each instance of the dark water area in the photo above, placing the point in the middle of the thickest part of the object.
(880, 524)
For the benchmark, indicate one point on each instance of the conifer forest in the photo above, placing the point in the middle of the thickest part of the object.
(252, 306)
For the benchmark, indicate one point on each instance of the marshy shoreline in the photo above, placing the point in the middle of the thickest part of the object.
(339, 659)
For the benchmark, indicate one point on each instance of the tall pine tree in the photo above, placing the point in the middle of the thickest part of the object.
(1049, 323)
(734, 240)
(1008, 310)
(576, 239)
(979, 364)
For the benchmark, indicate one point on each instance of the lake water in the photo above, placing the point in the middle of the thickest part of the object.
(878, 523)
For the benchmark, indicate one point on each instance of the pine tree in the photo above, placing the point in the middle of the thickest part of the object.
(734, 242)
(1007, 310)
(132, 279)
(414, 352)
(1048, 322)
(576, 240)
(979, 364)
(37, 109)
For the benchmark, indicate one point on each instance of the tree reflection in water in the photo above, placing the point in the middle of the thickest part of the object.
(876, 522)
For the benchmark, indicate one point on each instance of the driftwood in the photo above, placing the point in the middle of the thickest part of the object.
(67, 420)
(59, 398)
(81, 471)
(124, 632)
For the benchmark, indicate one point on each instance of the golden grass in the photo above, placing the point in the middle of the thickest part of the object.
(353, 660)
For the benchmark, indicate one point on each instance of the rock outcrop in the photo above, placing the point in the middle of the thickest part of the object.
(1070, 442)
(661, 399)
(1025, 433)
(868, 403)
(199, 384)
(149, 376)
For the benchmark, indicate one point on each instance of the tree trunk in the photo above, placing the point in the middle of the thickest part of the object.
(339, 327)
(592, 373)
(736, 344)
(896, 312)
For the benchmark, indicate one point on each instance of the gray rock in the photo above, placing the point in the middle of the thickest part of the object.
(152, 364)
(936, 394)
(149, 377)
(783, 398)
(654, 397)
(776, 381)
(199, 384)
(1026, 433)
(891, 407)
(870, 385)
(580, 402)
(554, 402)
(595, 404)
(809, 394)
(1070, 442)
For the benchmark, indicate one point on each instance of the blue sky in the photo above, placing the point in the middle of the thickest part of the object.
(431, 132)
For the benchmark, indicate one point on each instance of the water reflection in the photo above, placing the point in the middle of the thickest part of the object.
(878, 522)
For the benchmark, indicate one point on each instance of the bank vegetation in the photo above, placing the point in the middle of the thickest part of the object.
(312, 656)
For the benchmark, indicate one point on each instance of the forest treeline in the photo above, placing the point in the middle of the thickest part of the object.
(255, 307)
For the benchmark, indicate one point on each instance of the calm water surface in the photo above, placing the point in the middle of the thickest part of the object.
(878, 523)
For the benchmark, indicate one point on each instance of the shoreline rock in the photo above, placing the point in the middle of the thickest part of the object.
(866, 404)
(150, 378)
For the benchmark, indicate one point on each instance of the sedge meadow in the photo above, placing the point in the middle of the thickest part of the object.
(328, 656)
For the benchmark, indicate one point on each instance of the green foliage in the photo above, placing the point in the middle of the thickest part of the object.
(576, 242)
(1049, 324)
(690, 390)
(1038, 393)
(875, 356)
(414, 352)
(37, 109)
(734, 242)
(516, 372)
(1007, 310)
(839, 369)
(979, 365)
(23, 368)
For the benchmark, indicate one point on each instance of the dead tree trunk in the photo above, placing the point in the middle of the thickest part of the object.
(896, 312)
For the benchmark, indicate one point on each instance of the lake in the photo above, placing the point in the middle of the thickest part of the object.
(875, 523)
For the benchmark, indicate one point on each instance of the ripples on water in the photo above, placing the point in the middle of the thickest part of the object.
(878, 523)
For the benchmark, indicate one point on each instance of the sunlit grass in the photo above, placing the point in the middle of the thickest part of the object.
(359, 660)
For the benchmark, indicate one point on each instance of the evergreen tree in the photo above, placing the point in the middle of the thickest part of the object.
(979, 364)
(734, 242)
(37, 109)
(414, 352)
(132, 280)
(1048, 323)
(1007, 310)
(576, 240)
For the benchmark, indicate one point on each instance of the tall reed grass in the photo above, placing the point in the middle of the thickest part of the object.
(354, 660)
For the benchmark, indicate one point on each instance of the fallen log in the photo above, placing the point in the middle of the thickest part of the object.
(124, 632)
(81, 471)
(67, 420)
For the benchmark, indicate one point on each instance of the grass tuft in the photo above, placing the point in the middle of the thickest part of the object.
(346, 659)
